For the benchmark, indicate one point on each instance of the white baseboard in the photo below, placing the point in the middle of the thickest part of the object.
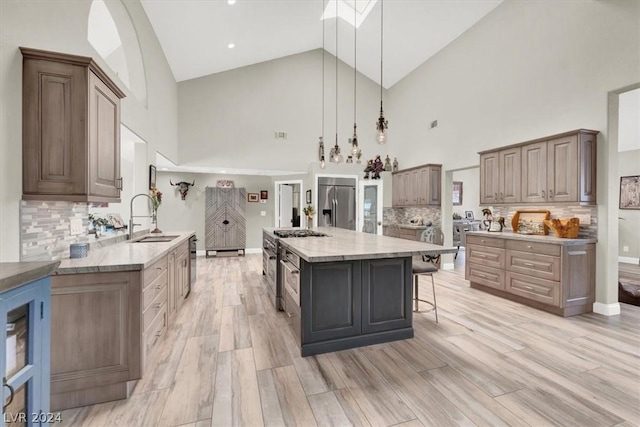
(606, 309)
(629, 260)
(447, 266)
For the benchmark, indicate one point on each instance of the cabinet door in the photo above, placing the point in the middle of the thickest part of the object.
(54, 152)
(587, 155)
(27, 309)
(386, 294)
(489, 179)
(423, 186)
(396, 185)
(510, 166)
(415, 187)
(171, 286)
(562, 169)
(534, 173)
(434, 185)
(104, 140)
(330, 300)
(407, 187)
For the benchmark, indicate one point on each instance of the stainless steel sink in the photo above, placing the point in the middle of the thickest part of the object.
(155, 239)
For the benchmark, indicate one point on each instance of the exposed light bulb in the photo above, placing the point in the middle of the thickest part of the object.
(381, 137)
(231, 45)
(322, 163)
(231, 1)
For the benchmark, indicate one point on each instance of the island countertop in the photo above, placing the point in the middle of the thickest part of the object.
(510, 235)
(14, 274)
(124, 256)
(342, 245)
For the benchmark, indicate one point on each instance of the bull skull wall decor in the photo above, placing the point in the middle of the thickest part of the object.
(183, 188)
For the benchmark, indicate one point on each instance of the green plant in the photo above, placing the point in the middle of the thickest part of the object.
(309, 211)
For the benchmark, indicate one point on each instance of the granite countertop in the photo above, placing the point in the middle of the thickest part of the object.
(124, 256)
(342, 245)
(15, 274)
(411, 226)
(510, 235)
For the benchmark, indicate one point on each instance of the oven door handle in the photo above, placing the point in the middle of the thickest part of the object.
(290, 267)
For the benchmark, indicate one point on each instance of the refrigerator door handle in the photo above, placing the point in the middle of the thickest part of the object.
(336, 213)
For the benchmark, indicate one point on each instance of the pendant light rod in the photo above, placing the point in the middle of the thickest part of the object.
(381, 47)
(321, 142)
(382, 124)
(337, 156)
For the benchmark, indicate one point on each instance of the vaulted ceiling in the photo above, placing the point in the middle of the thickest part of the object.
(195, 34)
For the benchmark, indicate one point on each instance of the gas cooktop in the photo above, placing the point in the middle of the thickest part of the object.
(298, 233)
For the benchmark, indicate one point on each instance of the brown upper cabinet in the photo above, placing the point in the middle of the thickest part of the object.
(70, 129)
(555, 169)
(419, 186)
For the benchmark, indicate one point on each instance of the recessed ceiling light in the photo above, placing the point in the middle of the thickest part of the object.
(231, 45)
(231, 1)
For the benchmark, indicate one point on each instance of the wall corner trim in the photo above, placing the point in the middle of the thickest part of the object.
(606, 309)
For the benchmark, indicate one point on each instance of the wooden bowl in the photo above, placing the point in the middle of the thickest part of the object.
(564, 227)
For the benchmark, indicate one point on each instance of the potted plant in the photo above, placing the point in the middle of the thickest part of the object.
(358, 155)
(309, 212)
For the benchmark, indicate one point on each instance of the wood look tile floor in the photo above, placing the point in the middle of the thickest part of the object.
(230, 359)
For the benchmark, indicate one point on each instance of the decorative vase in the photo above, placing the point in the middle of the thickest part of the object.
(309, 222)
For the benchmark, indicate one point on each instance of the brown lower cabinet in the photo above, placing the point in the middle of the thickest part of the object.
(555, 277)
(105, 326)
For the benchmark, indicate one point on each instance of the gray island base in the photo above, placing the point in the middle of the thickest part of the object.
(355, 289)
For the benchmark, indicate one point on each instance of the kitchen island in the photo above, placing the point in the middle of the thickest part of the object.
(349, 289)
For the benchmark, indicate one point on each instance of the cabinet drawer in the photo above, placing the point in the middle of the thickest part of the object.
(155, 307)
(155, 287)
(488, 276)
(155, 270)
(533, 247)
(488, 256)
(485, 241)
(542, 266)
(155, 331)
(533, 288)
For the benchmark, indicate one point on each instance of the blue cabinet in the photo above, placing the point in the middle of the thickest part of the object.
(24, 357)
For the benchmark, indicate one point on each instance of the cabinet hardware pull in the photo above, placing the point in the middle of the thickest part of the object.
(501, 197)
(11, 391)
(159, 333)
(529, 246)
(158, 305)
(158, 268)
(481, 256)
(482, 275)
(482, 240)
(529, 288)
(159, 287)
(119, 183)
(551, 193)
(528, 264)
(543, 196)
(495, 196)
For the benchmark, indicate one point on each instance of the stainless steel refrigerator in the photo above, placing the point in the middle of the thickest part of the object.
(337, 202)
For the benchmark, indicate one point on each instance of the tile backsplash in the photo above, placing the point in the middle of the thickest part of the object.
(404, 215)
(45, 229)
(556, 211)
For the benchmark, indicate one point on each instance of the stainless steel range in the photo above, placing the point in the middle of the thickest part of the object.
(298, 233)
(272, 254)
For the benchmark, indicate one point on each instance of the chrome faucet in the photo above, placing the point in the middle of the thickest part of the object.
(131, 224)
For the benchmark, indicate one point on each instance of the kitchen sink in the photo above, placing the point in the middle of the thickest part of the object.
(155, 239)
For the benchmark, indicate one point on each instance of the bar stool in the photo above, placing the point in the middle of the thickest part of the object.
(427, 267)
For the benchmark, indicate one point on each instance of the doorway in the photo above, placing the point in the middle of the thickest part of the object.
(288, 207)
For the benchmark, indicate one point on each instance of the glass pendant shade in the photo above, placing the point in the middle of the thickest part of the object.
(322, 163)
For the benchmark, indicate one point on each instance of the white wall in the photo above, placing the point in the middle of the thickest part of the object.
(629, 222)
(229, 119)
(175, 214)
(629, 121)
(62, 26)
(470, 179)
(527, 70)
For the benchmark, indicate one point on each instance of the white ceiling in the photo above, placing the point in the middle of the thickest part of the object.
(194, 34)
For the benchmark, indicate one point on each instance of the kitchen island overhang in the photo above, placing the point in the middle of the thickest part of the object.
(354, 289)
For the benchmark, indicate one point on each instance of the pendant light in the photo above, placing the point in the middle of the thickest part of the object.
(337, 157)
(382, 125)
(322, 161)
(354, 139)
